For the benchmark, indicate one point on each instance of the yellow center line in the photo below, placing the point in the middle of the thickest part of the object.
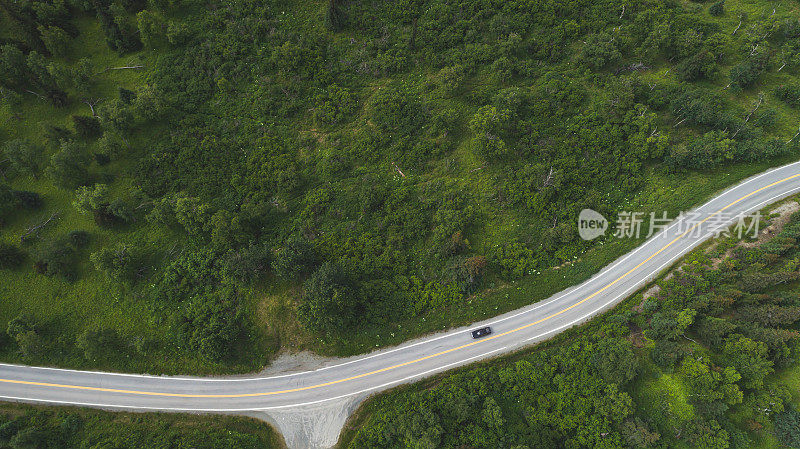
(400, 365)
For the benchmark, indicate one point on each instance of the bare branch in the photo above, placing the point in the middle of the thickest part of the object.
(41, 97)
(120, 68)
(752, 111)
(35, 229)
(793, 137)
(398, 169)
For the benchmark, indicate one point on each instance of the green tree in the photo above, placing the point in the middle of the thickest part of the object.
(615, 360)
(708, 385)
(56, 258)
(706, 435)
(89, 200)
(334, 15)
(152, 28)
(24, 156)
(749, 358)
(121, 262)
(600, 51)
(13, 67)
(83, 76)
(55, 39)
(69, 166)
(87, 127)
(490, 125)
(149, 104)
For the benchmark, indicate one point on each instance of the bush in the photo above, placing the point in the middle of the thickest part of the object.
(789, 93)
(490, 126)
(329, 302)
(717, 9)
(334, 105)
(297, 258)
(10, 256)
(28, 200)
(395, 110)
(23, 155)
(56, 258)
(121, 262)
(700, 66)
(8, 202)
(69, 166)
(87, 127)
(212, 324)
(249, 264)
(746, 73)
(787, 427)
(708, 151)
(99, 344)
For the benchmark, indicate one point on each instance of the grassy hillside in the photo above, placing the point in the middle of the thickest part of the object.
(228, 179)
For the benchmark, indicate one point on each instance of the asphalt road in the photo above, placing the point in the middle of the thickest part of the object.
(413, 360)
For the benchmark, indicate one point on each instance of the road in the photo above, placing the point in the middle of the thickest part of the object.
(416, 359)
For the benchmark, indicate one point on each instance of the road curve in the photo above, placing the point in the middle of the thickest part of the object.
(413, 360)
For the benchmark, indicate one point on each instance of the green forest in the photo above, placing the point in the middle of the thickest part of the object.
(193, 186)
(708, 359)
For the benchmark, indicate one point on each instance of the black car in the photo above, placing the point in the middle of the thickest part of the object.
(482, 332)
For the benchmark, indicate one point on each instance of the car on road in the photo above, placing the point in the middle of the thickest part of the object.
(482, 332)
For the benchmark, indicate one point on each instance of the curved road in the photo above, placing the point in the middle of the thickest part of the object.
(413, 360)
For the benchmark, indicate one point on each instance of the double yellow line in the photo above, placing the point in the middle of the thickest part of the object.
(400, 365)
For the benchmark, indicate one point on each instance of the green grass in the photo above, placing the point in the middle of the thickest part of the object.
(125, 429)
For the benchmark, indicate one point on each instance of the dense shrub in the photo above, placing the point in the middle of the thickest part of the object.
(69, 166)
(56, 258)
(717, 8)
(10, 256)
(787, 427)
(789, 93)
(329, 302)
(87, 127)
(295, 259)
